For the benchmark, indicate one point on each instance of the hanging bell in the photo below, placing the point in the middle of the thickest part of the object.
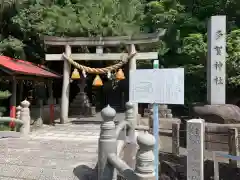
(97, 81)
(120, 75)
(75, 74)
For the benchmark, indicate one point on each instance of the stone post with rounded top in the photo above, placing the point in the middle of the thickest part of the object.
(130, 117)
(107, 144)
(25, 117)
(129, 114)
(18, 112)
(131, 147)
(145, 157)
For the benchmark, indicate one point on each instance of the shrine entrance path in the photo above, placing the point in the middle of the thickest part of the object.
(51, 153)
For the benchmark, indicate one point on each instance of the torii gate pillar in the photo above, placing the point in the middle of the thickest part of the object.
(133, 66)
(65, 87)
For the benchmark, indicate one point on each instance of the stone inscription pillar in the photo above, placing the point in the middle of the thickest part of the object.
(216, 63)
(195, 149)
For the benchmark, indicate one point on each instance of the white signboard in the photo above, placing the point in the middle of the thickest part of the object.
(162, 86)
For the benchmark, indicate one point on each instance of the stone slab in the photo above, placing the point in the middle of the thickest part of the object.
(49, 153)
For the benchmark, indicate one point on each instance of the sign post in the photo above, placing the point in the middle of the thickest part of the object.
(156, 128)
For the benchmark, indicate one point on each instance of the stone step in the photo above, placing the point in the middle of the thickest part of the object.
(75, 105)
(77, 111)
(81, 97)
(80, 102)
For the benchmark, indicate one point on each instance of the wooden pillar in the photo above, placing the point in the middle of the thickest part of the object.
(51, 103)
(175, 138)
(65, 87)
(133, 66)
(20, 90)
(13, 98)
(233, 146)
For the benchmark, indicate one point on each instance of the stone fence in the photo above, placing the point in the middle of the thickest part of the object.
(21, 122)
(113, 142)
(217, 137)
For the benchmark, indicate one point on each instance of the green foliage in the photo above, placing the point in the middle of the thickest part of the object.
(12, 47)
(233, 60)
(75, 18)
(4, 127)
(5, 5)
(5, 94)
(81, 18)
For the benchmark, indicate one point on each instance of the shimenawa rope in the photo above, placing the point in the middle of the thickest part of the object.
(124, 60)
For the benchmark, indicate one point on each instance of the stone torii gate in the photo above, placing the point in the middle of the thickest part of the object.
(99, 43)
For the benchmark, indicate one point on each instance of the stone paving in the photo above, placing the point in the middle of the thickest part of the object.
(51, 153)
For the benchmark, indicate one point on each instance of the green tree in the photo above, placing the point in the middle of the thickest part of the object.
(185, 43)
(9, 43)
(76, 18)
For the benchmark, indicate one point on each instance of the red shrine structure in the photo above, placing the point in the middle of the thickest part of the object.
(18, 70)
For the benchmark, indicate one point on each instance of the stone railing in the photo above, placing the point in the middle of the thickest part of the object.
(217, 137)
(22, 121)
(109, 161)
(202, 140)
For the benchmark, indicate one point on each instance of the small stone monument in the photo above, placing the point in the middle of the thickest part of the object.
(195, 149)
(39, 121)
(81, 104)
(25, 117)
